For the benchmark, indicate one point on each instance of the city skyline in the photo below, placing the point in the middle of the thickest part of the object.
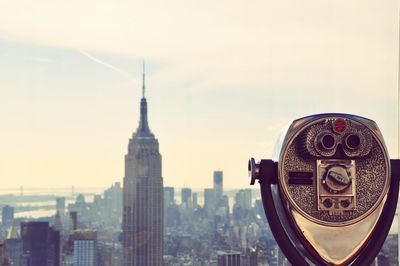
(223, 80)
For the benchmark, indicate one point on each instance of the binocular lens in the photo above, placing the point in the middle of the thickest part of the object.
(352, 141)
(327, 142)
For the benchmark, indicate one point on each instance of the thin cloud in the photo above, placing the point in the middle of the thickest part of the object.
(31, 58)
(95, 59)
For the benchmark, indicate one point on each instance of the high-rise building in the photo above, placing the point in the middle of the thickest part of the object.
(243, 205)
(243, 198)
(57, 222)
(218, 185)
(228, 258)
(195, 200)
(84, 247)
(40, 244)
(169, 196)
(60, 218)
(73, 220)
(60, 205)
(2, 254)
(186, 197)
(113, 200)
(13, 246)
(143, 196)
(222, 211)
(253, 257)
(13, 251)
(7, 216)
(209, 200)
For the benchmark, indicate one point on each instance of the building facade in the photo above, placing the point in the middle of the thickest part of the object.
(218, 184)
(169, 196)
(243, 198)
(113, 200)
(194, 199)
(209, 201)
(143, 220)
(60, 205)
(7, 216)
(228, 258)
(84, 248)
(186, 197)
(40, 244)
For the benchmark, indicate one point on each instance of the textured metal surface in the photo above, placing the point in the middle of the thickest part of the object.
(371, 171)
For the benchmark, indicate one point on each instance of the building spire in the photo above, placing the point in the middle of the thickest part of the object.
(143, 82)
(143, 131)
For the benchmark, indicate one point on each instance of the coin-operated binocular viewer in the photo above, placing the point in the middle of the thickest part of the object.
(331, 195)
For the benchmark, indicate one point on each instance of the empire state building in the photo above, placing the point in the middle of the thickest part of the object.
(143, 196)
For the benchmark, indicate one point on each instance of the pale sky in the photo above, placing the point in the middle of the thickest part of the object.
(223, 78)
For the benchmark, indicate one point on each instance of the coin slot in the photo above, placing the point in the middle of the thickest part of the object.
(300, 178)
(298, 174)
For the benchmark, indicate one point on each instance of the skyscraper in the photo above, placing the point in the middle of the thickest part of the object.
(113, 200)
(169, 196)
(218, 182)
(228, 258)
(73, 220)
(194, 200)
(7, 216)
(243, 198)
(60, 218)
(13, 246)
(2, 254)
(143, 196)
(186, 197)
(60, 205)
(209, 201)
(85, 247)
(40, 244)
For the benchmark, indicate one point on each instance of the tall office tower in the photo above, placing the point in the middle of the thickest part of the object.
(243, 198)
(186, 197)
(218, 188)
(143, 220)
(194, 199)
(13, 246)
(60, 206)
(57, 224)
(113, 200)
(169, 196)
(40, 244)
(228, 258)
(2, 255)
(7, 216)
(73, 220)
(84, 247)
(222, 211)
(209, 201)
(60, 218)
(253, 257)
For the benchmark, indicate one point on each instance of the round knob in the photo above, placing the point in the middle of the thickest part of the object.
(254, 171)
(336, 179)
